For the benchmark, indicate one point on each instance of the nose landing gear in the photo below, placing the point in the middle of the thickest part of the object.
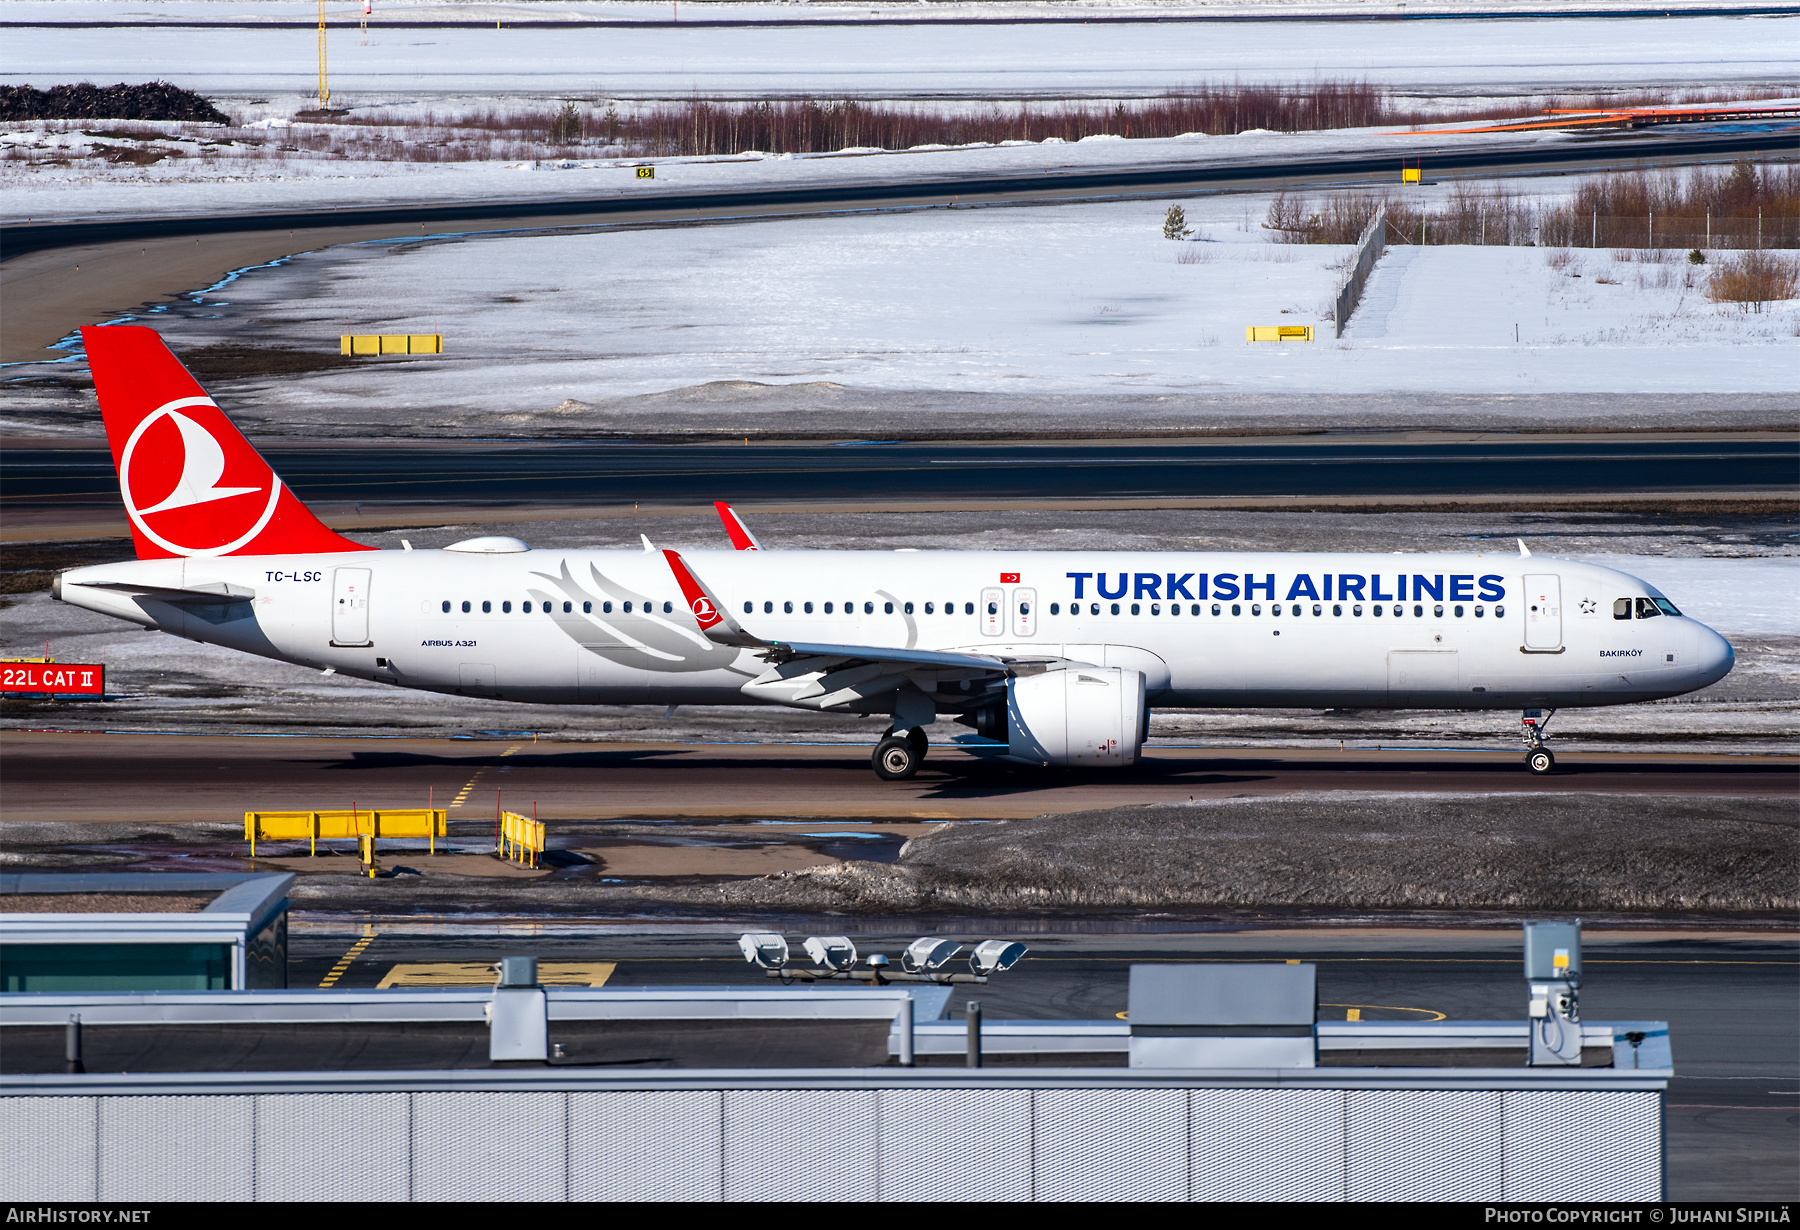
(1537, 756)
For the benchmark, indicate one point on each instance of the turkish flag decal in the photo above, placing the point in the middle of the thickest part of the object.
(1009, 578)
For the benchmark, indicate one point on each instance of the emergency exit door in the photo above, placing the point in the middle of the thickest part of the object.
(1543, 613)
(350, 606)
(993, 612)
(1024, 604)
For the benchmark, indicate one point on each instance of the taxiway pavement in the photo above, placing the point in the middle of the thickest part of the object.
(176, 779)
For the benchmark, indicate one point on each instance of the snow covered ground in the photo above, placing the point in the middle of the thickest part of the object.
(887, 61)
(557, 334)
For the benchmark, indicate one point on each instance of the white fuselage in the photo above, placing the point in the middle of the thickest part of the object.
(611, 627)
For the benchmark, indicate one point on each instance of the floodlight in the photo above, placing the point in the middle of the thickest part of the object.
(764, 949)
(926, 954)
(877, 961)
(834, 952)
(995, 956)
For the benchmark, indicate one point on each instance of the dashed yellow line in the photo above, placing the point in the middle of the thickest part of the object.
(462, 795)
(344, 962)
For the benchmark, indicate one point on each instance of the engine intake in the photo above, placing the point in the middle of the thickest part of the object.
(1083, 715)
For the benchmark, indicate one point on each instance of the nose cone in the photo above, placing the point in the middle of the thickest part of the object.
(1713, 657)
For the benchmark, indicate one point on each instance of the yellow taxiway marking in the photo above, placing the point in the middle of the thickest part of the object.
(1353, 1012)
(344, 962)
(481, 974)
(462, 795)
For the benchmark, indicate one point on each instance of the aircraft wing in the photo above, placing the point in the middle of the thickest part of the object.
(719, 625)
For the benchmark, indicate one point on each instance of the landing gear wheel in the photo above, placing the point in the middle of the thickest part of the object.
(896, 759)
(920, 743)
(1540, 761)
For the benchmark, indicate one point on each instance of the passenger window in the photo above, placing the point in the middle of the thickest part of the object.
(568, 608)
(1237, 609)
(1646, 609)
(1024, 608)
(625, 608)
(1479, 611)
(1215, 609)
(1134, 608)
(931, 609)
(1055, 608)
(605, 607)
(1621, 608)
(1418, 612)
(506, 608)
(1399, 610)
(1665, 606)
(1275, 609)
(587, 608)
(465, 608)
(968, 608)
(1375, 611)
(487, 608)
(446, 607)
(1155, 609)
(1336, 609)
(787, 608)
(1459, 611)
(525, 608)
(1356, 609)
(668, 608)
(1115, 608)
(887, 608)
(768, 608)
(1296, 608)
(1437, 612)
(1317, 610)
(993, 608)
(750, 606)
(807, 607)
(1256, 608)
(828, 608)
(1195, 609)
(907, 608)
(1499, 611)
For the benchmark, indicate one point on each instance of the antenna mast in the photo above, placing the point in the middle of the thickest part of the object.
(324, 90)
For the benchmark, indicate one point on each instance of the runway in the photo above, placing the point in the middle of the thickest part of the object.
(176, 779)
(63, 483)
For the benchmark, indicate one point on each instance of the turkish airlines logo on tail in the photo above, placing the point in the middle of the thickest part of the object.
(202, 514)
(703, 611)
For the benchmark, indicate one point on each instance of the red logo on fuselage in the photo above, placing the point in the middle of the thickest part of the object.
(185, 492)
(1009, 578)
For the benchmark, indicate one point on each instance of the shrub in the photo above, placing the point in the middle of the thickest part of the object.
(1695, 257)
(1175, 223)
(1753, 279)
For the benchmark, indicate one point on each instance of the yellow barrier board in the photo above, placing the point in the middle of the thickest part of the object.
(390, 343)
(312, 825)
(483, 974)
(1278, 333)
(1410, 175)
(521, 839)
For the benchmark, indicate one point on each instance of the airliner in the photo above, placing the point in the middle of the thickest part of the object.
(1054, 658)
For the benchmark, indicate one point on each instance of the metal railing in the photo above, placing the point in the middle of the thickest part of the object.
(1368, 250)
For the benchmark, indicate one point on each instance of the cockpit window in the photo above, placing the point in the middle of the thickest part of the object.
(1621, 608)
(1665, 606)
(1646, 609)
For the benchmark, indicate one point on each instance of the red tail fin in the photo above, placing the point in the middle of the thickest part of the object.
(192, 484)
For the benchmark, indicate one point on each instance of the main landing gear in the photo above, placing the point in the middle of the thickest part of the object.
(899, 754)
(1537, 756)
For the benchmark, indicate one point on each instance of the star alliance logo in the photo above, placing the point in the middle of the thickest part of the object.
(1588, 606)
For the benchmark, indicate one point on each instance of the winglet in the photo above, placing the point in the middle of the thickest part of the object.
(714, 620)
(1524, 550)
(741, 537)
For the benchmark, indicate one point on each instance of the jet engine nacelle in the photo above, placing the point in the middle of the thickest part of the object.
(1081, 716)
